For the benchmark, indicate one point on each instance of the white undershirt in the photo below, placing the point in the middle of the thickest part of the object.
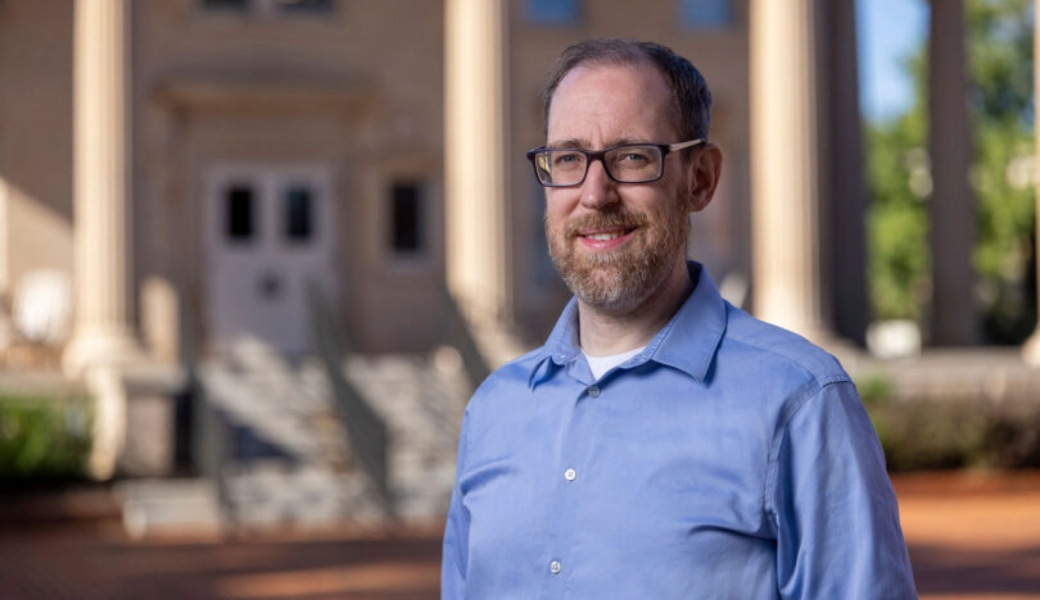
(601, 364)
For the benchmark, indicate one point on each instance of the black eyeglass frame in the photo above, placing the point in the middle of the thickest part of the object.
(592, 155)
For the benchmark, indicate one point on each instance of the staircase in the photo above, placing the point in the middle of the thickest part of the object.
(278, 454)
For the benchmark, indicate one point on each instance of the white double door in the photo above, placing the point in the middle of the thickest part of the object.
(270, 237)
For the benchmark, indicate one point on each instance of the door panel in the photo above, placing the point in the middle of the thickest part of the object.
(270, 234)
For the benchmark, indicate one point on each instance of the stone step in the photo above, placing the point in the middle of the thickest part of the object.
(151, 506)
(419, 400)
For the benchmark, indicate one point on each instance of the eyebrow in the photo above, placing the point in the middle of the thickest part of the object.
(576, 143)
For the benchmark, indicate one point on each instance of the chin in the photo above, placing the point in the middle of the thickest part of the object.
(610, 288)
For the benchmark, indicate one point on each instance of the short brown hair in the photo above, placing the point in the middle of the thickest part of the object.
(690, 93)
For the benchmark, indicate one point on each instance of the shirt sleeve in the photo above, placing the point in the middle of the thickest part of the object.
(834, 510)
(455, 549)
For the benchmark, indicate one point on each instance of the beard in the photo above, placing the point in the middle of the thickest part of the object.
(617, 281)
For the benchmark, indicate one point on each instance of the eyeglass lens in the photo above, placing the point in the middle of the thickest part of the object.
(625, 164)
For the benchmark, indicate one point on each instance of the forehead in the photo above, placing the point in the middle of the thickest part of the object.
(608, 102)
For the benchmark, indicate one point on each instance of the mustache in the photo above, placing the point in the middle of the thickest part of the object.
(620, 218)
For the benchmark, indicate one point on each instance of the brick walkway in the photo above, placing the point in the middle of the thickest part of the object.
(971, 537)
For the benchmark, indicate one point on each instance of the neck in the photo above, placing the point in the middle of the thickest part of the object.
(603, 332)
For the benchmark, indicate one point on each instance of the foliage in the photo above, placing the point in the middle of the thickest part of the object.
(875, 389)
(1000, 59)
(43, 437)
(1000, 36)
(898, 220)
(941, 433)
(951, 429)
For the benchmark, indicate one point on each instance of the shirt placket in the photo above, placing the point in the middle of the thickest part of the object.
(567, 493)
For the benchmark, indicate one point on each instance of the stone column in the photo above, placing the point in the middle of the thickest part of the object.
(7, 331)
(1031, 350)
(5, 237)
(102, 333)
(843, 258)
(954, 321)
(785, 192)
(475, 159)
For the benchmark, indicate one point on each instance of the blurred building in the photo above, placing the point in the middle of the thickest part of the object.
(230, 152)
(198, 169)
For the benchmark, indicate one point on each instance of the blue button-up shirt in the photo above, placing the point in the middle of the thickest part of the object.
(729, 459)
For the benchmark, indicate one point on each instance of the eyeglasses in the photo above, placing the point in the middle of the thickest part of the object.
(629, 163)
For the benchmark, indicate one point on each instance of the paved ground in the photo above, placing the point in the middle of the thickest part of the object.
(971, 537)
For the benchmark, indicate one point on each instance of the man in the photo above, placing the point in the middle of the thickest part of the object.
(662, 444)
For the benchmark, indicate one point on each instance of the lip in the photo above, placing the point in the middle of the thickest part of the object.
(617, 237)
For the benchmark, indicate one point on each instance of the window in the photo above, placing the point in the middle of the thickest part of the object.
(226, 5)
(270, 7)
(239, 214)
(298, 215)
(406, 218)
(706, 14)
(303, 6)
(552, 12)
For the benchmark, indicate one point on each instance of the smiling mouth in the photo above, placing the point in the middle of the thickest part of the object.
(604, 236)
(606, 230)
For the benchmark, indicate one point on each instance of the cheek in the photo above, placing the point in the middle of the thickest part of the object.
(674, 204)
(558, 206)
(553, 223)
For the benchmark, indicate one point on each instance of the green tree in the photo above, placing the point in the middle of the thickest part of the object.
(899, 181)
(1000, 60)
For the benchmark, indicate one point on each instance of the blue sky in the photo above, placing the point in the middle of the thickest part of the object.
(887, 32)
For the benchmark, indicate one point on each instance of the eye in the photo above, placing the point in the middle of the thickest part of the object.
(634, 156)
(566, 159)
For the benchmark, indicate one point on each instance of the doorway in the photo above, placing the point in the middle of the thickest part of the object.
(270, 237)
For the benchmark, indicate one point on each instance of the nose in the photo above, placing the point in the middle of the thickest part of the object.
(598, 190)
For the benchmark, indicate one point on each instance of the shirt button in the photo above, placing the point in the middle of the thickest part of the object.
(570, 474)
(594, 391)
(555, 567)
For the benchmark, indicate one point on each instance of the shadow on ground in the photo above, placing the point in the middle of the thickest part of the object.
(81, 566)
(943, 570)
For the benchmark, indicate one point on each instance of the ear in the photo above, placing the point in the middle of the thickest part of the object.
(704, 171)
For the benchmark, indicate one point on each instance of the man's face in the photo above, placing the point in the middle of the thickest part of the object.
(616, 244)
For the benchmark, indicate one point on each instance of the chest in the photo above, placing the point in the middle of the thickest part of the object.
(659, 476)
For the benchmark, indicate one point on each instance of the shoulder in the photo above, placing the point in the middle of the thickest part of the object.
(510, 379)
(502, 403)
(777, 353)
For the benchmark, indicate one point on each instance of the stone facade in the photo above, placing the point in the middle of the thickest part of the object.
(201, 168)
(358, 90)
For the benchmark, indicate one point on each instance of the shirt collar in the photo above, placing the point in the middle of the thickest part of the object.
(687, 342)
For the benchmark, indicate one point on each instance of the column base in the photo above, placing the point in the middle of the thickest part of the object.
(809, 328)
(134, 416)
(101, 348)
(98, 356)
(109, 430)
(816, 332)
(1031, 349)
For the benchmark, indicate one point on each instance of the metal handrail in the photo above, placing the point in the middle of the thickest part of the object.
(458, 335)
(367, 434)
